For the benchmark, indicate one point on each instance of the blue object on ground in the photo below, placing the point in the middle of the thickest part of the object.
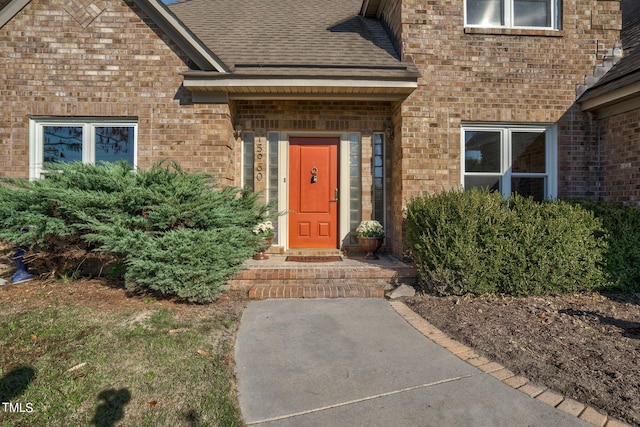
(22, 275)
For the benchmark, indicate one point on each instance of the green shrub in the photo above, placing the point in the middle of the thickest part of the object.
(622, 232)
(200, 262)
(173, 231)
(476, 242)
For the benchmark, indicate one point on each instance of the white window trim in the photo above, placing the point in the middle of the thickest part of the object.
(551, 156)
(36, 147)
(509, 18)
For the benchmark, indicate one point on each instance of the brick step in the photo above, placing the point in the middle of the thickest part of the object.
(355, 290)
(384, 283)
(351, 278)
(318, 275)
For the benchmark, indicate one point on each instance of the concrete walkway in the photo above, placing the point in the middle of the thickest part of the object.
(357, 362)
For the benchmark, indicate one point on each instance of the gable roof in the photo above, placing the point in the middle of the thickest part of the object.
(285, 48)
(295, 32)
(278, 48)
(622, 81)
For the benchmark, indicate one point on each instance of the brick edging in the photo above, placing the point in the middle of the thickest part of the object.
(522, 384)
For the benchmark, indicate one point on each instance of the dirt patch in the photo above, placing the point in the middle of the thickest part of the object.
(102, 294)
(583, 346)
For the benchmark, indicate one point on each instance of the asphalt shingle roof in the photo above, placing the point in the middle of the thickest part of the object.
(627, 70)
(289, 34)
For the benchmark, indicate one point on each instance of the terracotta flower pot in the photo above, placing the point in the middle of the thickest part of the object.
(267, 241)
(370, 245)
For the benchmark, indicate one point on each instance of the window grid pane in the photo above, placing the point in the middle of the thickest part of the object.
(529, 187)
(114, 143)
(528, 152)
(378, 177)
(355, 185)
(487, 13)
(247, 160)
(532, 13)
(62, 144)
(482, 151)
(485, 182)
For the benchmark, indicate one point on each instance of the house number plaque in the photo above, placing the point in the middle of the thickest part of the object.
(259, 157)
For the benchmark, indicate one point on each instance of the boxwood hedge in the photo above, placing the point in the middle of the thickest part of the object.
(621, 226)
(476, 242)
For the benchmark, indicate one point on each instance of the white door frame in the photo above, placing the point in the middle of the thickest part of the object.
(343, 182)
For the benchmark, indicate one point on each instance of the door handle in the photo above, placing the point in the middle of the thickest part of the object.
(336, 193)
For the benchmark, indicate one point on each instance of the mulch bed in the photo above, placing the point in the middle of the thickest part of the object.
(583, 346)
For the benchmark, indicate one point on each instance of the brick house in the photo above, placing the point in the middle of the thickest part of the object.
(338, 111)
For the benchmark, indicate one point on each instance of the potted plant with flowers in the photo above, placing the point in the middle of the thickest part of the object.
(370, 235)
(264, 229)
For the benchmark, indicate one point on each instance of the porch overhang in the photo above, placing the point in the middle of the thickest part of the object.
(388, 85)
(616, 101)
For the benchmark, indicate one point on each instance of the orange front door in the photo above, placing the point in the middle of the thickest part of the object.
(313, 190)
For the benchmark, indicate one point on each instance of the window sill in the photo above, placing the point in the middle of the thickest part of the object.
(514, 32)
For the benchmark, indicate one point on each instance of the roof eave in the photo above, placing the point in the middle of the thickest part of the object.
(608, 99)
(11, 10)
(287, 88)
(178, 32)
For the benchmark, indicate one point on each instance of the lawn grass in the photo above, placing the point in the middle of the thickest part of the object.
(71, 365)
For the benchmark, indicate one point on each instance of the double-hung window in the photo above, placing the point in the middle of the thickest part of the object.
(536, 14)
(511, 159)
(91, 140)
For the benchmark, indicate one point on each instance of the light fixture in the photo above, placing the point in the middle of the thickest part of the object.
(389, 131)
(237, 132)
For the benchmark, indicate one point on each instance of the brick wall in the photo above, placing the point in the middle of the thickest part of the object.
(488, 75)
(105, 60)
(620, 158)
(578, 155)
